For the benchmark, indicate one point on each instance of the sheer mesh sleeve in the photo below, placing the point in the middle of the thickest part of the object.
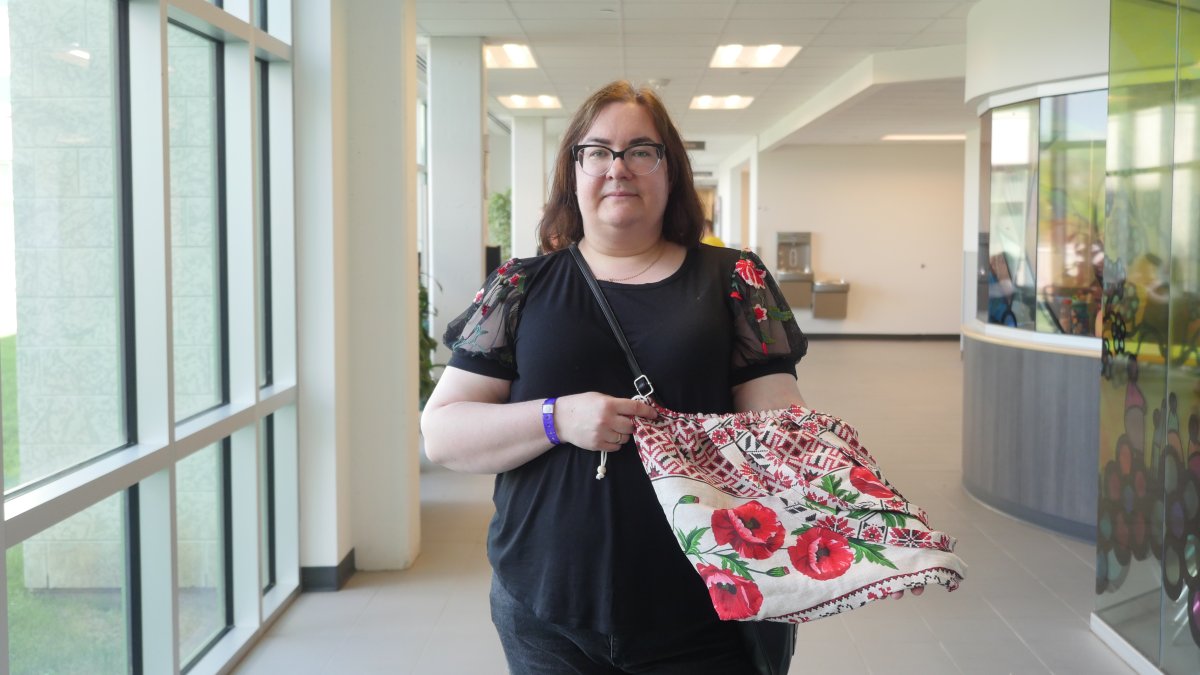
(767, 339)
(482, 338)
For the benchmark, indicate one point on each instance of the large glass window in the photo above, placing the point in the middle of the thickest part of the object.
(196, 231)
(62, 356)
(67, 603)
(1070, 250)
(201, 506)
(1043, 216)
(1013, 184)
(119, 533)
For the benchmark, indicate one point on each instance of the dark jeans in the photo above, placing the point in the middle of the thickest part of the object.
(536, 647)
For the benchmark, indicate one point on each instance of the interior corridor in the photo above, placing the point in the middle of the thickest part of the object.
(1023, 608)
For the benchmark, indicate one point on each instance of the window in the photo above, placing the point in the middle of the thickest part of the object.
(62, 297)
(197, 234)
(202, 549)
(67, 586)
(1042, 222)
(149, 421)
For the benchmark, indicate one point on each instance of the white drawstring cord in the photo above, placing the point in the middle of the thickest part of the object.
(602, 470)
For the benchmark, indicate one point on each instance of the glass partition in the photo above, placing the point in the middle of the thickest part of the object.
(1148, 551)
(1042, 213)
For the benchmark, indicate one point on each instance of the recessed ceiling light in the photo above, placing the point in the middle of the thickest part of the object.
(733, 102)
(519, 102)
(925, 137)
(762, 56)
(508, 55)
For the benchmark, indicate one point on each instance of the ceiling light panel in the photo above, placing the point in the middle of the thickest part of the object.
(733, 102)
(538, 102)
(508, 55)
(753, 56)
(925, 137)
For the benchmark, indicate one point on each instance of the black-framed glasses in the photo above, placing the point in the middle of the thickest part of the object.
(640, 158)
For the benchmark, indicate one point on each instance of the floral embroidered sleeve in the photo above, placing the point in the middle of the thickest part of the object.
(767, 339)
(483, 336)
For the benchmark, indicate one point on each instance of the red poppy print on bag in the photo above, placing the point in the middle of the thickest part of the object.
(734, 597)
(750, 273)
(821, 554)
(865, 481)
(753, 530)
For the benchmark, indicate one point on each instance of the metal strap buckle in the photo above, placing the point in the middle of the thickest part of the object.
(644, 388)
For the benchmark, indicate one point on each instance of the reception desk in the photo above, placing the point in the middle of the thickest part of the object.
(1031, 425)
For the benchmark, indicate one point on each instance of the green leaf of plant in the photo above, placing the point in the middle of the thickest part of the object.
(871, 552)
(801, 530)
(691, 543)
(731, 561)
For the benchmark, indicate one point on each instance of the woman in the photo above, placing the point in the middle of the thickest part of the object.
(587, 575)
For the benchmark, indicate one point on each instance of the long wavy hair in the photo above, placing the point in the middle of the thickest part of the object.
(562, 222)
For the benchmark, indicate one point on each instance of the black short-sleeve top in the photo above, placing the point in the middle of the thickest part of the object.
(599, 554)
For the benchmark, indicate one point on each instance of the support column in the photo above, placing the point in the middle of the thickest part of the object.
(457, 213)
(355, 168)
(528, 183)
(381, 190)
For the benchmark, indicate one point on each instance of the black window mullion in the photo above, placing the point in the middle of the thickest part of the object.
(133, 578)
(265, 133)
(222, 221)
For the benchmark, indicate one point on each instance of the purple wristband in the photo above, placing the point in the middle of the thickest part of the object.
(548, 420)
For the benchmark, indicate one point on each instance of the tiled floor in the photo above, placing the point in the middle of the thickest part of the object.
(1023, 608)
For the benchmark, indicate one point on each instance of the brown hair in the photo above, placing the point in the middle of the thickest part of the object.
(562, 223)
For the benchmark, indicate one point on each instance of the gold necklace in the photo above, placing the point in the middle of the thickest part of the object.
(661, 250)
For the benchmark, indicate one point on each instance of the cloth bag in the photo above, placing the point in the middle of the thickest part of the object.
(786, 516)
(783, 512)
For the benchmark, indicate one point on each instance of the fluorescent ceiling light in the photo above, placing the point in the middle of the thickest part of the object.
(762, 56)
(508, 55)
(733, 102)
(925, 137)
(519, 102)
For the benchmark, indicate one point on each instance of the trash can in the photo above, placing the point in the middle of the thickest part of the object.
(829, 299)
(797, 288)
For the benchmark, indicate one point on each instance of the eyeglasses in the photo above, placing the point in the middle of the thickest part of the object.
(640, 158)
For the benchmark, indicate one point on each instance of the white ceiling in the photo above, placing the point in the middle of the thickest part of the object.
(580, 45)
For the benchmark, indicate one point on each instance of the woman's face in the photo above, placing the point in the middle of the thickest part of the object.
(621, 199)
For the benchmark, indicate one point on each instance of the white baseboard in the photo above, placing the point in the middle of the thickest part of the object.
(1131, 656)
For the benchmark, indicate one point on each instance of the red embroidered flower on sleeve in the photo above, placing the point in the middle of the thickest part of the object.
(750, 273)
(514, 279)
(733, 596)
(478, 296)
(735, 295)
(864, 481)
(760, 314)
(821, 554)
(752, 529)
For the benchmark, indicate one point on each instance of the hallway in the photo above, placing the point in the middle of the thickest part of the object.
(1023, 608)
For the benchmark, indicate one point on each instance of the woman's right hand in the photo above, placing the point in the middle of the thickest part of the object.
(596, 421)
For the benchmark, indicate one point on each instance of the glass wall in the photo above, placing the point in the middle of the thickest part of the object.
(1148, 551)
(1042, 214)
(150, 510)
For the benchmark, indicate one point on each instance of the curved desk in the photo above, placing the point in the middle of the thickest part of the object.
(1031, 425)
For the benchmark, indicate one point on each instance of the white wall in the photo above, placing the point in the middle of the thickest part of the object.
(1015, 43)
(888, 219)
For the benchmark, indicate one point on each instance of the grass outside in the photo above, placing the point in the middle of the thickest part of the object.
(66, 631)
(53, 631)
(76, 630)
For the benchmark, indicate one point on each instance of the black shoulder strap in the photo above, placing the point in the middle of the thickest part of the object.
(641, 383)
